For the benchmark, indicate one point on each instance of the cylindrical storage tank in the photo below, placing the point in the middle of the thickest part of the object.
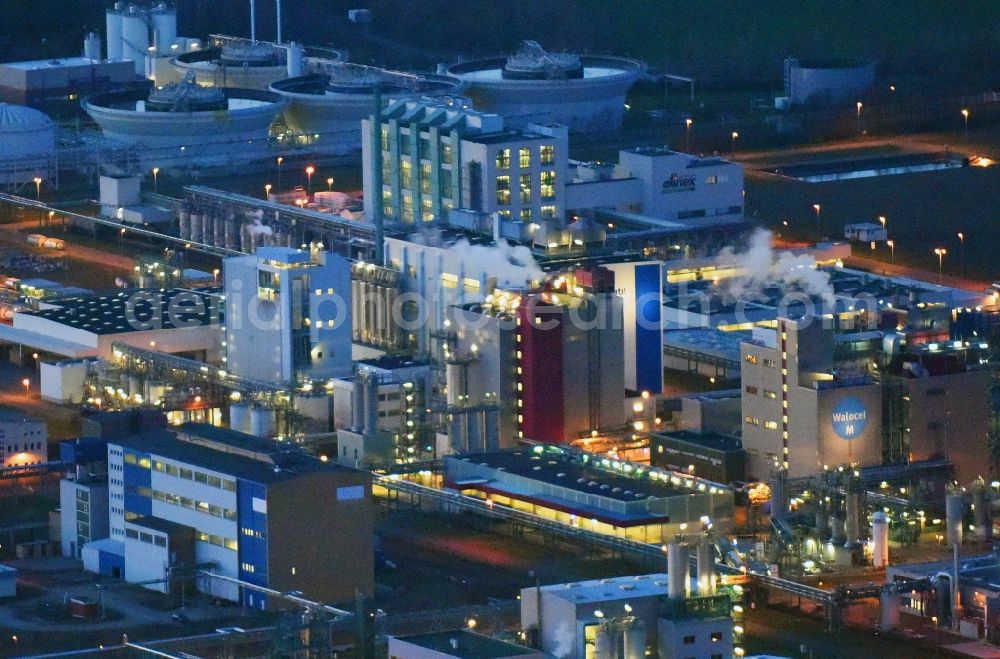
(196, 220)
(677, 570)
(779, 501)
(135, 38)
(92, 47)
(822, 521)
(880, 539)
(829, 81)
(184, 224)
(635, 639)
(942, 594)
(239, 417)
(852, 523)
(455, 374)
(371, 404)
(475, 432)
(315, 411)
(164, 20)
(491, 433)
(113, 31)
(837, 531)
(983, 514)
(954, 509)
(706, 568)
(263, 422)
(606, 642)
(888, 610)
(232, 234)
(358, 404)
(294, 59)
(220, 232)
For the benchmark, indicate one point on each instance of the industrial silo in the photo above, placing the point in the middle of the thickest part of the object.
(135, 38)
(113, 30)
(163, 19)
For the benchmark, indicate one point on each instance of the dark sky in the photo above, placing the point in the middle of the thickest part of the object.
(715, 38)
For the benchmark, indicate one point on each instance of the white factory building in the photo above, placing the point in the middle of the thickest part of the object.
(288, 315)
(23, 439)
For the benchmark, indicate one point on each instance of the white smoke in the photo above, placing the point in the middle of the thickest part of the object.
(564, 641)
(760, 266)
(512, 265)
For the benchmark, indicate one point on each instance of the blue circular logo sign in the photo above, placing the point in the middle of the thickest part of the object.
(850, 417)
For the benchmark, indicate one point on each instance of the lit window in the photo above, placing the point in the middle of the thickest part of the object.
(503, 159)
(524, 158)
(503, 190)
(547, 154)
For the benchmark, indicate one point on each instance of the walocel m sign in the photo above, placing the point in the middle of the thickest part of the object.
(849, 417)
(679, 184)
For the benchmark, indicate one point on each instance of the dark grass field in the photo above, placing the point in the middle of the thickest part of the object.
(923, 210)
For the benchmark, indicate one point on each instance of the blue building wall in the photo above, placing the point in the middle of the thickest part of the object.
(252, 540)
(648, 334)
(135, 477)
(108, 561)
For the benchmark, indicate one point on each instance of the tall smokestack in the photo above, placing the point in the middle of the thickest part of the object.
(278, 9)
(253, 20)
(376, 149)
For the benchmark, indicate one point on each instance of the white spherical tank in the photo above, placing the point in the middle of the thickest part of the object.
(113, 30)
(880, 539)
(262, 422)
(28, 140)
(135, 37)
(164, 22)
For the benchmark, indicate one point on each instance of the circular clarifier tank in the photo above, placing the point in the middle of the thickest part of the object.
(328, 107)
(185, 120)
(585, 92)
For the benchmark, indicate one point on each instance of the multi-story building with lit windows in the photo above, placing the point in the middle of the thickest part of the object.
(288, 315)
(441, 155)
(254, 512)
(23, 439)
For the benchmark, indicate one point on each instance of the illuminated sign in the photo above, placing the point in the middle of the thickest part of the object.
(679, 184)
(850, 417)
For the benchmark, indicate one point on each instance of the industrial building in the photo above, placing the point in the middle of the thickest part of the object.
(631, 617)
(24, 440)
(65, 80)
(440, 155)
(814, 398)
(289, 315)
(825, 82)
(457, 644)
(83, 495)
(578, 489)
(548, 365)
(381, 412)
(717, 457)
(666, 189)
(584, 92)
(199, 499)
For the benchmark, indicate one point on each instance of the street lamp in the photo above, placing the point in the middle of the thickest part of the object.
(267, 191)
(27, 387)
(734, 136)
(961, 254)
(892, 250)
(329, 184)
(215, 273)
(687, 134)
(817, 208)
(881, 219)
(38, 187)
(965, 119)
(310, 170)
(860, 105)
(156, 170)
(280, 160)
(940, 251)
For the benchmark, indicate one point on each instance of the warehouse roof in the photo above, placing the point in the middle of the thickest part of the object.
(604, 590)
(135, 310)
(466, 644)
(272, 462)
(566, 470)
